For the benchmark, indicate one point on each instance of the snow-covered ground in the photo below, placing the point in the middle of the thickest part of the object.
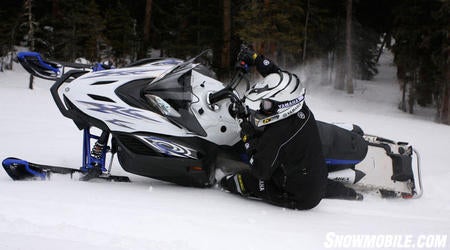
(149, 214)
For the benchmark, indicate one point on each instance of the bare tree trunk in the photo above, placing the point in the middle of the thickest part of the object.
(339, 78)
(12, 36)
(324, 69)
(444, 112)
(147, 27)
(28, 6)
(403, 102)
(226, 34)
(380, 51)
(9, 65)
(445, 107)
(348, 64)
(56, 12)
(412, 92)
(306, 31)
(331, 56)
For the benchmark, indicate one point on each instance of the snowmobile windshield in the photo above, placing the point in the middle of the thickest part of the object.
(172, 95)
(182, 66)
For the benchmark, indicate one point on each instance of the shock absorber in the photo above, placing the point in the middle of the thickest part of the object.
(99, 146)
(99, 149)
(94, 159)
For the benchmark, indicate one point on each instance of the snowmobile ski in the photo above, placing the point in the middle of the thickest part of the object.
(19, 169)
(53, 70)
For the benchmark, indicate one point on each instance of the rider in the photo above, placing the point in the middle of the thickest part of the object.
(281, 138)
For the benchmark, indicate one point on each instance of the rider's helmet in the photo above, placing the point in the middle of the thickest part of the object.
(277, 97)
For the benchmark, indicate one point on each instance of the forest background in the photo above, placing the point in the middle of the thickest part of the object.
(344, 38)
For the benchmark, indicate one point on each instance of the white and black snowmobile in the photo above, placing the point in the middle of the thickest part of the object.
(172, 120)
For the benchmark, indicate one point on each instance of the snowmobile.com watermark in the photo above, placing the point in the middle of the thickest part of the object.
(406, 241)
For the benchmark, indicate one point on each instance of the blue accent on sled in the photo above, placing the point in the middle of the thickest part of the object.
(245, 158)
(341, 162)
(8, 162)
(99, 67)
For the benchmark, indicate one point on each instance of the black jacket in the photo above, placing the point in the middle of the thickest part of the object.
(289, 152)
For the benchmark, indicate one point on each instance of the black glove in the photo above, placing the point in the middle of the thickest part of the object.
(247, 131)
(247, 55)
(238, 110)
(249, 137)
(242, 66)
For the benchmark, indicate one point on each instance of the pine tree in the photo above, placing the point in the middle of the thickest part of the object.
(326, 36)
(440, 46)
(365, 43)
(9, 14)
(416, 45)
(120, 32)
(273, 27)
(95, 40)
(75, 30)
(348, 48)
(31, 25)
(147, 28)
(225, 56)
(69, 30)
(194, 26)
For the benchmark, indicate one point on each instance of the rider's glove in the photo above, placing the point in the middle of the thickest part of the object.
(247, 55)
(242, 66)
(249, 137)
(247, 131)
(238, 110)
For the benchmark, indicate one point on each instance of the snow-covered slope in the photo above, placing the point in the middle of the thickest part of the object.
(149, 214)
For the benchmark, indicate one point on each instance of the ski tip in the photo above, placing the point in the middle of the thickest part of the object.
(19, 169)
(11, 160)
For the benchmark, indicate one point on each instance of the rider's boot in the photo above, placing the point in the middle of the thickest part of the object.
(337, 190)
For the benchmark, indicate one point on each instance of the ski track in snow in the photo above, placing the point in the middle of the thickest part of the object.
(149, 214)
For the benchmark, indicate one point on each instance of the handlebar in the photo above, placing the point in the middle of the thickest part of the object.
(223, 94)
(228, 92)
(237, 109)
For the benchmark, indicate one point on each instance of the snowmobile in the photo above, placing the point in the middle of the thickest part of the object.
(172, 120)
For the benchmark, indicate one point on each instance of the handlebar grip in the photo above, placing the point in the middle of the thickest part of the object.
(218, 96)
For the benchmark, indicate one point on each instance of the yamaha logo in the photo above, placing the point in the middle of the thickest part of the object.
(301, 115)
(266, 62)
(290, 103)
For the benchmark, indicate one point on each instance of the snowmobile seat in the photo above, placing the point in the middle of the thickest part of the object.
(341, 146)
